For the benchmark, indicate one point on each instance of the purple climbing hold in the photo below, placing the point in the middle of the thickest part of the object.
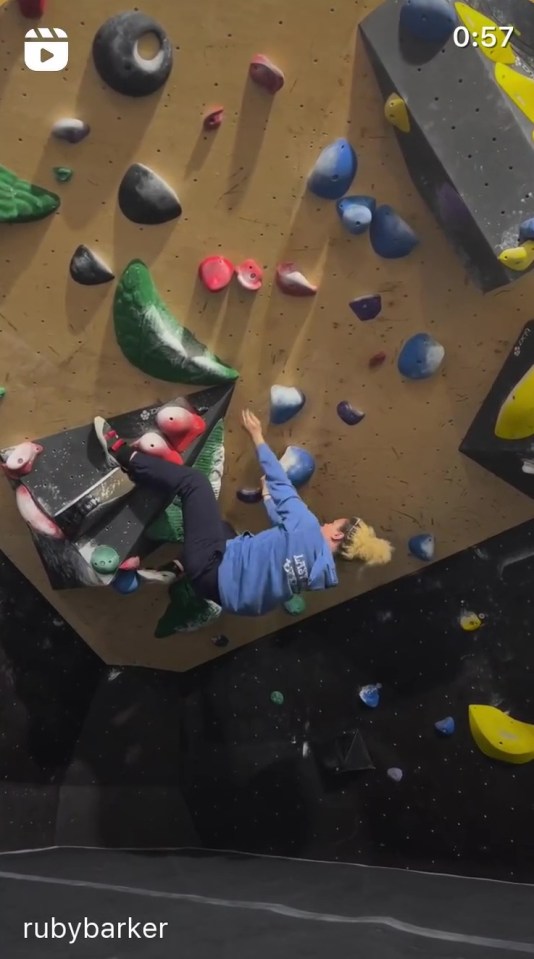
(395, 774)
(391, 237)
(298, 464)
(367, 307)
(370, 695)
(349, 414)
(266, 74)
(356, 213)
(286, 402)
(249, 495)
(334, 171)
(430, 20)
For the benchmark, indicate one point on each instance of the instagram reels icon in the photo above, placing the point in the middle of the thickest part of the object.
(46, 49)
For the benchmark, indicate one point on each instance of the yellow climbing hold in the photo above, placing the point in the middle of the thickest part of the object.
(501, 737)
(396, 113)
(515, 420)
(475, 22)
(470, 621)
(518, 87)
(518, 258)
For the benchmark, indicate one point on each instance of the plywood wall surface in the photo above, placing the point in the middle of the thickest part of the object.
(243, 193)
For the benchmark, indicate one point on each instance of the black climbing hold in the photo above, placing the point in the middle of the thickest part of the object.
(118, 60)
(145, 198)
(220, 641)
(71, 129)
(345, 753)
(87, 268)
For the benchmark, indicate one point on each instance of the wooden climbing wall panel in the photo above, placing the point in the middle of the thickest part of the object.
(243, 193)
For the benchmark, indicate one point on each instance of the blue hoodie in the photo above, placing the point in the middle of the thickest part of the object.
(259, 573)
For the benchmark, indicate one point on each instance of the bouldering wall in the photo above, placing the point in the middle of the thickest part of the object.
(242, 189)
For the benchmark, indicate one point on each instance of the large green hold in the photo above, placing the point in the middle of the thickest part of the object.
(168, 527)
(22, 201)
(152, 339)
(186, 611)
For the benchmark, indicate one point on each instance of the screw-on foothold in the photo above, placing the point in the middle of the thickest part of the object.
(213, 119)
(277, 697)
(220, 641)
(63, 173)
(395, 774)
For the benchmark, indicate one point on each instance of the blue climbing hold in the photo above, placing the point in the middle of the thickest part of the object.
(445, 727)
(430, 20)
(366, 307)
(349, 414)
(298, 464)
(420, 357)
(370, 695)
(126, 581)
(334, 171)
(249, 495)
(422, 546)
(526, 230)
(391, 237)
(286, 402)
(356, 213)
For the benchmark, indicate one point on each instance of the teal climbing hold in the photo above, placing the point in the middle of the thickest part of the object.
(277, 697)
(105, 560)
(63, 173)
(296, 605)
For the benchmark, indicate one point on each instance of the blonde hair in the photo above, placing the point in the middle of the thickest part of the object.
(361, 542)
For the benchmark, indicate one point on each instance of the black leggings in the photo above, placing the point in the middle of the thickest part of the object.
(205, 532)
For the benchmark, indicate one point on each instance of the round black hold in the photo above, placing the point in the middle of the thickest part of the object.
(118, 61)
(87, 268)
(145, 198)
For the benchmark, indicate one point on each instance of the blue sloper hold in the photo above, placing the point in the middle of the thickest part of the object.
(334, 171)
(126, 581)
(420, 357)
(391, 237)
(286, 402)
(430, 20)
(356, 213)
(422, 546)
(445, 727)
(298, 464)
(366, 307)
(526, 230)
(370, 695)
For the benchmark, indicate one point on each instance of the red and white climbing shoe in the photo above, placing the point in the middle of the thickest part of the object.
(110, 441)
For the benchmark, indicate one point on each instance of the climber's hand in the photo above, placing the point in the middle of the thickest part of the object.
(252, 426)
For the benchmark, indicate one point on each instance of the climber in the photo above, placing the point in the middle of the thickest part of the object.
(246, 574)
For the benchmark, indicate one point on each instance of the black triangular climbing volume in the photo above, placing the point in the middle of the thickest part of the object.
(94, 505)
(501, 436)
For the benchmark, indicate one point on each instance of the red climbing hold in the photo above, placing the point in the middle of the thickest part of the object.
(216, 272)
(293, 282)
(249, 275)
(214, 118)
(32, 8)
(21, 459)
(157, 445)
(266, 74)
(133, 562)
(376, 360)
(181, 426)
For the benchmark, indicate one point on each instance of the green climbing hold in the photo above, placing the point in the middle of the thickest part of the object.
(296, 605)
(152, 339)
(105, 560)
(3, 392)
(186, 611)
(22, 201)
(277, 697)
(63, 173)
(168, 527)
